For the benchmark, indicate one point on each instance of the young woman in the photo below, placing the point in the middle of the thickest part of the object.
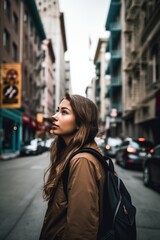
(76, 216)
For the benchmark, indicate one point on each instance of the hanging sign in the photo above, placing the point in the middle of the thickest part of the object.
(10, 85)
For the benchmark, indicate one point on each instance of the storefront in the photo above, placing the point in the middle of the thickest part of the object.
(11, 132)
(29, 128)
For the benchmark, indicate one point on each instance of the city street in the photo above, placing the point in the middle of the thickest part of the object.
(22, 207)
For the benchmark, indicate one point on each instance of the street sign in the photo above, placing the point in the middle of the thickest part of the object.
(10, 96)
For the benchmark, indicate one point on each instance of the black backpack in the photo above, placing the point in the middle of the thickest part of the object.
(118, 221)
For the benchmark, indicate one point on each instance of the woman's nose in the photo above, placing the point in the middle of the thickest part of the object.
(54, 117)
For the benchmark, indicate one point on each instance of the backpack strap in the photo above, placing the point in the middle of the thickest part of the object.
(104, 160)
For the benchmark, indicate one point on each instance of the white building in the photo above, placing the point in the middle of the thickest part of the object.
(100, 80)
(47, 73)
(53, 22)
(67, 77)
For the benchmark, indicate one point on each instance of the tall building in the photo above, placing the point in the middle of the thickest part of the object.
(142, 69)
(115, 66)
(31, 55)
(100, 81)
(67, 77)
(54, 25)
(10, 118)
(21, 34)
(48, 86)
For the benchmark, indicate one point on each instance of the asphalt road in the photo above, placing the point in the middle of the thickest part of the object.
(22, 207)
(147, 202)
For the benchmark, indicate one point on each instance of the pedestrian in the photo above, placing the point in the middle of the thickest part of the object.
(76, 216)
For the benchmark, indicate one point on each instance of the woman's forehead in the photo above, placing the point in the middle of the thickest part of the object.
(65, 103)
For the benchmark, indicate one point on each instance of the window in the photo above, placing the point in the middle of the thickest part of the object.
(31, 53)
(35, 37)
(31, 28)
(15, 22)
(31, 86)
(155, 65)
(39, 44)
(7, 8)
(14, 52)
(155, 68)
(25, 17)
(25, 53)
(6, 40)
(25, 85)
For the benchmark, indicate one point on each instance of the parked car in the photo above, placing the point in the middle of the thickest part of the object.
(133, 151)
(32, 147)
(48, 143)
(111, 146)
(151, 168)
(100, 142)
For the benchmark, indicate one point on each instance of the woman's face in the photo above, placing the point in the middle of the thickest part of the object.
(63, 122)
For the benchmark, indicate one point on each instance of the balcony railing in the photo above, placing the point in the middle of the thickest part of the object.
(132, 3)
(116, 53)
(115, 26)
(131, 6)
(116, 81)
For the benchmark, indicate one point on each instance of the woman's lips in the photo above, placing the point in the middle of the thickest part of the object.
(54, 125)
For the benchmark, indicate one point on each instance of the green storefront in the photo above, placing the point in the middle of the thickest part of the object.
(10, 132)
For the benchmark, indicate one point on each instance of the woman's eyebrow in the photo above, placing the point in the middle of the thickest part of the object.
(65, 108)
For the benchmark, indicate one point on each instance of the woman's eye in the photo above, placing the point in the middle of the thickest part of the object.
(64, 112)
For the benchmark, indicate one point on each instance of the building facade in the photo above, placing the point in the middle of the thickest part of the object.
(51, 16)
(48, 87)
(21, 34)
(114, 68)
(68, 87)
(100, 82)
(135, 60)
(142, 68)
(31, 55)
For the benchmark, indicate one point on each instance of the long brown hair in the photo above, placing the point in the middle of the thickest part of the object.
(86, 116)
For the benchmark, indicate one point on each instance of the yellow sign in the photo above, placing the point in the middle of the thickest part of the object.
(39, 117)
(10, 85)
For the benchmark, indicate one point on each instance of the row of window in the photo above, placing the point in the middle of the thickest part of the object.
(15, 21)
(12, 47)
(32, 31)
(7, 12)
(28, 53)
(6, 45)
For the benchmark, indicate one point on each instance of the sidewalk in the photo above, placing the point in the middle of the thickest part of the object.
(7, 156)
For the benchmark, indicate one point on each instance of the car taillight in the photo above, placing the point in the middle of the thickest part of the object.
(141, 139)
(107, 147)
(151, 150)
(131, 150)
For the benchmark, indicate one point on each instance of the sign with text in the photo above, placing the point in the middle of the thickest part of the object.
(10, 85)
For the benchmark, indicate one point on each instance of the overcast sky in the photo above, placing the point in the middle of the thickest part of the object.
(84, 19)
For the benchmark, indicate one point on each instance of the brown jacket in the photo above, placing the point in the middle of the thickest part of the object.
(77, 219)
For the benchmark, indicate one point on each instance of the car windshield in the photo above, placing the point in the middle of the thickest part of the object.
(31, 142)
(99, 140)
(114, 141)
(27, 143)
(34, 142)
